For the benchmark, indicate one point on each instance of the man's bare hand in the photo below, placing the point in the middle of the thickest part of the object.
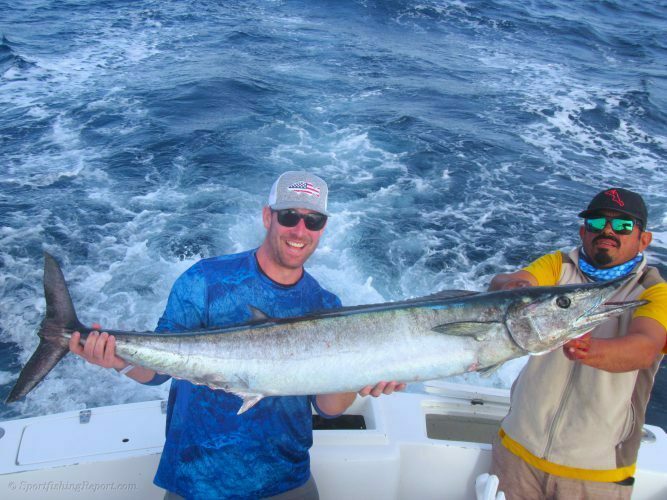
(99, 349)
(577, 349)
(381, 388)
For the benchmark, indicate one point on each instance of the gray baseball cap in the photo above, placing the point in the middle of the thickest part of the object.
(299, 190)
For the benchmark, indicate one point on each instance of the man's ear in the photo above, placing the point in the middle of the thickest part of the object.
(645, 238)
(266, 217)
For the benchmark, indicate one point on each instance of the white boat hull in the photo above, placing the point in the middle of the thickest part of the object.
(415, 446)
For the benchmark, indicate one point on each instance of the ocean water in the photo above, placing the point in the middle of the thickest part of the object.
(459, 139)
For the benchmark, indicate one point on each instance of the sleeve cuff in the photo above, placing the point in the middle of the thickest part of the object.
(158, 379)
(320, 412)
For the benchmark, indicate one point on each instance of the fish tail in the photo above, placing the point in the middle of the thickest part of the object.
(53, 345)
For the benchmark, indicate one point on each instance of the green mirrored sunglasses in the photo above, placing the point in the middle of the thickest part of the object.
(619, 226)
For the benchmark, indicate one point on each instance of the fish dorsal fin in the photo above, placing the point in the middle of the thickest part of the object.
(249, 400)
(258, 315)
(449, 294)
(476, 329)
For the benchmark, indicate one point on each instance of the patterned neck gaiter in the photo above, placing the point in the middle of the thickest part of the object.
(608, 273)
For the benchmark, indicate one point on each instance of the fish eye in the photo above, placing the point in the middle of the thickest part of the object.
(563, 302)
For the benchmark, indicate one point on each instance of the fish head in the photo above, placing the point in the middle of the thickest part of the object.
(540, 319)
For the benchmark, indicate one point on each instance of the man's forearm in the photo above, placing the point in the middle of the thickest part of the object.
(518, 279)
(635, 351)
(141, 374)
(335, 404)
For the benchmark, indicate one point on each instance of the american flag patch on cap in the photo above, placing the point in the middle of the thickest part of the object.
(304, 187)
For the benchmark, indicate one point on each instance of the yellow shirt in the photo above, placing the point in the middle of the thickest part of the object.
(547, 269)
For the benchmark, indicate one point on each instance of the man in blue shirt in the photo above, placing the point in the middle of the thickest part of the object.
(210, 451)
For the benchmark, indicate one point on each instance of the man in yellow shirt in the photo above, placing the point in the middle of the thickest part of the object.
(574, 426)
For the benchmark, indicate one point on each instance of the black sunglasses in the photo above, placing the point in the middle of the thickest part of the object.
(290, 218)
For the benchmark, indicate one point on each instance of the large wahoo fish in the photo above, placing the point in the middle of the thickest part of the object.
(343, 349)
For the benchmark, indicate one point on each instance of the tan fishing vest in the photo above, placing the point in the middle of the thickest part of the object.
(573, 415)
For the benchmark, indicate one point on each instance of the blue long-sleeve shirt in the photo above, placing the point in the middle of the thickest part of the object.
(210, 451)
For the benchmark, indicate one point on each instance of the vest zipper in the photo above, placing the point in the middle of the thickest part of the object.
(561, 408)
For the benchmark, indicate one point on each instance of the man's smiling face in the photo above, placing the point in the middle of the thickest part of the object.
(289, 247)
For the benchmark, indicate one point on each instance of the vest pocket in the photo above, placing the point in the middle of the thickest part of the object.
(629, 424)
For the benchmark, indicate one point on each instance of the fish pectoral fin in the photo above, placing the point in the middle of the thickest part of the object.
(476, 329)
(249, 400)
(489, 370)
(258, 315)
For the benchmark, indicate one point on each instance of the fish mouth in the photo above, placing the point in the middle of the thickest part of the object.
(601, 308)
(600, 313)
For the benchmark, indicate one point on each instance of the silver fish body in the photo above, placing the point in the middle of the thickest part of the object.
(339, 352)
(345, 349)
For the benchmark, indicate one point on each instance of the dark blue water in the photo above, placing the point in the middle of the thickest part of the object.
(460, 139)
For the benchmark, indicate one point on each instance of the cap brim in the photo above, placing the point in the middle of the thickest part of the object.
(295, 204)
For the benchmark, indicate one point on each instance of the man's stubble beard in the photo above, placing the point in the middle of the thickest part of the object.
(601, 258)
